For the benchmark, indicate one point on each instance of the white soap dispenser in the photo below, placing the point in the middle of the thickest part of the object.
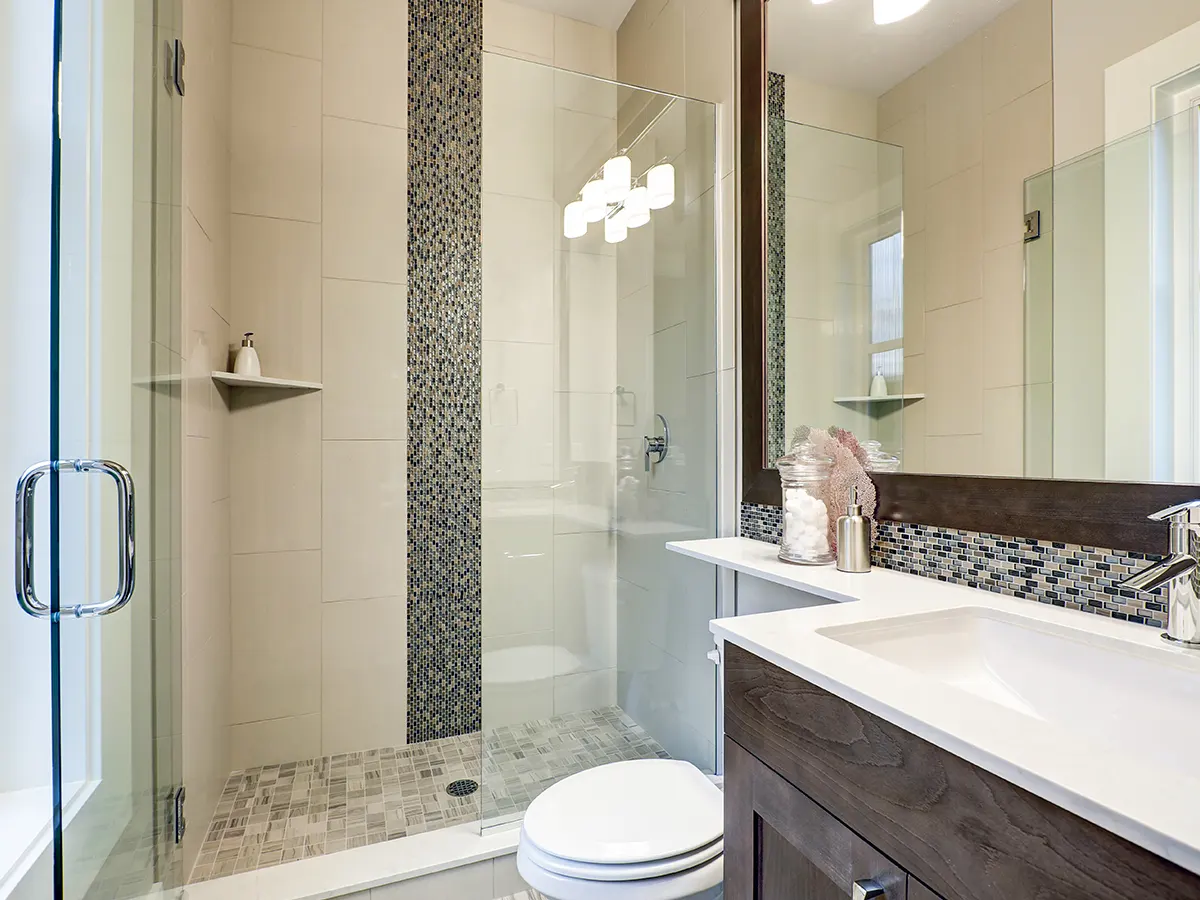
(246, 362)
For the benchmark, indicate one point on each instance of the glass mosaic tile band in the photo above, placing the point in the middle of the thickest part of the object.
(1067, 575)
(776, 313)
(445, 301)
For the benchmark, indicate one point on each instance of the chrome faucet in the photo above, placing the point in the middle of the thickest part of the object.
(1180, 572)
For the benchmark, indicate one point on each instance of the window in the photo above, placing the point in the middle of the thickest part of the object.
(887, 308)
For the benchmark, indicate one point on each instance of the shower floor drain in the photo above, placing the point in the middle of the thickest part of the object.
(463, 788)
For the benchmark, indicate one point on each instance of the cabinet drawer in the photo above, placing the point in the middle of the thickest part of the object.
(780, 845)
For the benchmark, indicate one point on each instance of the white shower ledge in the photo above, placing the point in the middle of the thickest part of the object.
(1154, 806)
(260, 381)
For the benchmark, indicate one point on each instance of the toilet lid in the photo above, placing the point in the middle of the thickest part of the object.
(628, 812)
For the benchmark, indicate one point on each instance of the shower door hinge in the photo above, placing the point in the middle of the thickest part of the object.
(1033, 225)
(178, 816)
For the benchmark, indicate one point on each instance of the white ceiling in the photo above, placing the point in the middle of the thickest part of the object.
(839, 44)
(606, 13)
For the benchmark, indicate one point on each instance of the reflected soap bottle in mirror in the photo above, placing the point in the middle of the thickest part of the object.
(246, 362)
(879, 386)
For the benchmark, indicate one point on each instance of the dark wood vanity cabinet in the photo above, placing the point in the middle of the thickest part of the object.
(820, 794)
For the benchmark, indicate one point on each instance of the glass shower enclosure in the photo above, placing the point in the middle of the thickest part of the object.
(599, 428)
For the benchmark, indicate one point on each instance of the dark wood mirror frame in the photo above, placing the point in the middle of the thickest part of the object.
(1093, 513)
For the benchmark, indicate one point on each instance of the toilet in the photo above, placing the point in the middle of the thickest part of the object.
(647, 829)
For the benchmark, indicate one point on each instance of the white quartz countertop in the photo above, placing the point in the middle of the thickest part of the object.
(1124, 784)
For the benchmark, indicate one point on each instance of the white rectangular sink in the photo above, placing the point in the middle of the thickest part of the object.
(1105, 691)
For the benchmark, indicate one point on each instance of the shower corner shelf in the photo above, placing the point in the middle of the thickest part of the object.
(891, 398)
(258, 381)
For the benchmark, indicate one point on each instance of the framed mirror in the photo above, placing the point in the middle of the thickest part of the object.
(971, 236)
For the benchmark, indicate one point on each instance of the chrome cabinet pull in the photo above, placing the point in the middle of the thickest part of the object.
(24, 531)
(868, 890)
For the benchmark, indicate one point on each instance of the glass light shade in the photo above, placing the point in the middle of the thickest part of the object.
(574, 220)
(594, 206)
(637, 207)
(889, 11)
(616, 227)
(660, 181)
(617, 175)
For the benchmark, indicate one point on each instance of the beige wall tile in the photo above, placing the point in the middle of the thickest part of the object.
(584, 479)
(823, 106)
(517, 413)
(913, 457)
(1017, 53)
(275, 145)
(289, 26)
(585, 313)
(1004, 431)
(904, 99)
(276, 635)
(1020, 143)
(365, 189)
(954, 241)
(366, 61)
(275, 475)
(363, 671)
(709, 69)
(954, 111)
(515, 28)
(1004, 316)
(651, 48)
(518, 268)
(276, 288)
(518, 561)
(365, 513)
(366, 362)
(954, 361)
(275, 741)
(582, 47)
(954, 455)
(914, 293)
(518, 122)
(909, 133)
(585, 691)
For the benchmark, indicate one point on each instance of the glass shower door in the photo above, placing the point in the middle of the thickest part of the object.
(89, 197)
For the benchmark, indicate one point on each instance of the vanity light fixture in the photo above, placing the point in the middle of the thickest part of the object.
(661, 182)
(889, 11)
(574, 220)
(617, 175)
(637, 207)
(594, 206)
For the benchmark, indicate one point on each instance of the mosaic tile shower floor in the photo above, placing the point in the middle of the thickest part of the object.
(276, 814)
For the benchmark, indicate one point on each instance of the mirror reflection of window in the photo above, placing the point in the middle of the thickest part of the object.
(887, 311)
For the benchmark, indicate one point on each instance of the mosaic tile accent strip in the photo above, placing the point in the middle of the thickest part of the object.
(445, 299)
(276, 814)
(776, 312)
(1067, 575)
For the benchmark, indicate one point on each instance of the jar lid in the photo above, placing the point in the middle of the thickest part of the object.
(878, 459)
(804, 461)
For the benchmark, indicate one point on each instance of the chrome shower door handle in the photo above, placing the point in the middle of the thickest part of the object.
(659, 445)
(126, 536)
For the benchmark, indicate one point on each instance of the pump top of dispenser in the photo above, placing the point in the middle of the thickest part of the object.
(248, 339)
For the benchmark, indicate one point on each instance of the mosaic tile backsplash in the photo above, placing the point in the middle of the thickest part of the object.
(445, 301)
(1067, 575)
(776, 313)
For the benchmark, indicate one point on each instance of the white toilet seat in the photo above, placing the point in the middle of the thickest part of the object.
(639, 871)
(635, 830)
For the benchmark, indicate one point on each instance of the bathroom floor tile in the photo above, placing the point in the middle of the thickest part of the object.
(271, 815)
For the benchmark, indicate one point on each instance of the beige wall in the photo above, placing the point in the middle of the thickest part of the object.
(1090, 36)
(973, 124)
(850, 112)
(549, 310)
(206, 504)
(318, 485)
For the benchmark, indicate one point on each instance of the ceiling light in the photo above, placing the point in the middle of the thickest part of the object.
(617, 174)
(594, 207)
(889, 11)
(574, 220)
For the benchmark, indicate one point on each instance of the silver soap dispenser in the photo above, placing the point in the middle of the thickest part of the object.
(853, 537)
